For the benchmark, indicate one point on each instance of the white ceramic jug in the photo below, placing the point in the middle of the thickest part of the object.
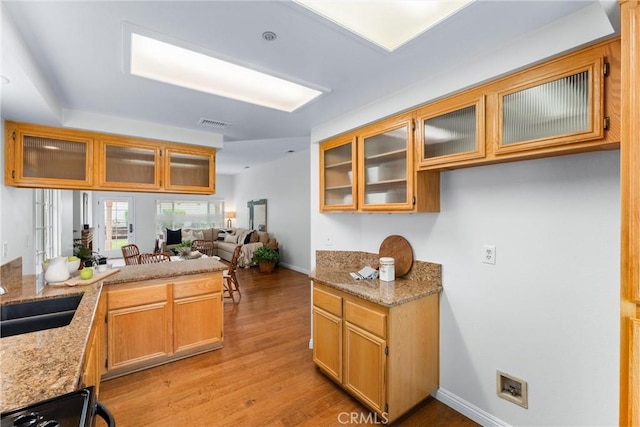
(57, 270)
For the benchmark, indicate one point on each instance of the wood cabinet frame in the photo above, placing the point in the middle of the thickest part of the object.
(402, 352)
(14, 156)
(384, 126)
(101, 161)
(446, 106)
(329, 145)
(171, 311)
(96, 161)
(593, 63)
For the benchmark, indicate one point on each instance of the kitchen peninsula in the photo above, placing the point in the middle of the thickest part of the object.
(43, 364)
(378, 340)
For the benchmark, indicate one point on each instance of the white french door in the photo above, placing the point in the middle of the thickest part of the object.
(115, 225)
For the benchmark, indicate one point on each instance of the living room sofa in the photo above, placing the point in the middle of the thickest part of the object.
(224, 243)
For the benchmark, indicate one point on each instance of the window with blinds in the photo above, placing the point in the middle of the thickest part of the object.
(175, 214)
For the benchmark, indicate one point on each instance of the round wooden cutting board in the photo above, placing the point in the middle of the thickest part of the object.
(398, 248)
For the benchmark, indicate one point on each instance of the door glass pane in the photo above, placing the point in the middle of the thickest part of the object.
(338, 176)
(189, 170)
(126, 164)
(450, 133)
(54, 158)
(385, 167)
(116, 224)
(555, 108)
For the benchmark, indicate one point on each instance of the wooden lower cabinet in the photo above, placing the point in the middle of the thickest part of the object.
(386, 357)
(155, 321)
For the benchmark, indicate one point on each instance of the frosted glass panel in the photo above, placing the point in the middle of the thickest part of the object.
(555, 108)
(54, 158)
(189, 170)
(450, 133)
(126, 164)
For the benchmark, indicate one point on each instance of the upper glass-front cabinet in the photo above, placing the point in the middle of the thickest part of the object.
(129, 165)
(385, 165)
(553, 108)
(49, 159)
(451, 130)
(190, 171)
(337, 175)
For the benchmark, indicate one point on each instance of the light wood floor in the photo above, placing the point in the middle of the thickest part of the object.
(264, 375)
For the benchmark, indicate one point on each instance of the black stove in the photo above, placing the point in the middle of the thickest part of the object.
(75, 409)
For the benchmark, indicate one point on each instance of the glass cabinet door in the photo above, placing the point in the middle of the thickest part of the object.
(386, 166)
(557, 109)
(337, 174)
(53, 159)
(129, 165)
(190, 170)
(451, 130)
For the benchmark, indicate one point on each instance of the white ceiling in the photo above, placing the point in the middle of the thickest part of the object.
(65, 59)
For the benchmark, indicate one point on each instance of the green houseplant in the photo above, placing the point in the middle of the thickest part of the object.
(266, 258)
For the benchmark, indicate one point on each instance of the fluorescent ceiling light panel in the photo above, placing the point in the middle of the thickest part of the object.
(389, 24)
(178, 66)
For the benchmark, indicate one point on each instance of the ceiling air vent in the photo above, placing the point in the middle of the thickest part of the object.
(218, 124)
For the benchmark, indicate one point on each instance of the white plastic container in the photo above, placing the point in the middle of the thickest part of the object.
(387, 269)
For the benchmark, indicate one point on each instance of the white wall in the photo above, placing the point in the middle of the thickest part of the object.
(548, 311)
(285, 185)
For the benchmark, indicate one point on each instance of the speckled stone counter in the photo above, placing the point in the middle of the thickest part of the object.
(333, 268)
(44, 364)
(136, 273)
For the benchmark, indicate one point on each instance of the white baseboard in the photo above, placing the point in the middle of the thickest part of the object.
(294, 268)
(467, 409)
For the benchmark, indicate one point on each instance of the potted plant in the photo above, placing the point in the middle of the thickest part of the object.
(266, 258)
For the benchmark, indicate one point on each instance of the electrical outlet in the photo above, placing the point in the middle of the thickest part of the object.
(512, 389)
(328, 240)
(5, 249)
(489, 254)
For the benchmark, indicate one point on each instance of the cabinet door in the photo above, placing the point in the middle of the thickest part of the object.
(327, 343)
(550, 106)
(138, 325)
(338, 184)
(48, 157)
(365, 366)
(197, 321)
(138, 335)
(190, 171)
(385, 165)
(451, 130)
(129, 165)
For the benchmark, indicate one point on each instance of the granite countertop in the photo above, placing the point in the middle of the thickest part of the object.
(333, 268)
(43, 364)
(135, 273)
(40, 365)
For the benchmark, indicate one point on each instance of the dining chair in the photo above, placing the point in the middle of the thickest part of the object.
(154, 258)
(131, 254)
(203, 246)
(230, 281)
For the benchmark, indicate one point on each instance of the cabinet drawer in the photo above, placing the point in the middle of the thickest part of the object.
(366, 318)
(121, 298)
(191, 288)
(328, 302)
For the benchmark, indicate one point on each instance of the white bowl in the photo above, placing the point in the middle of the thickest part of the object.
(73, 266)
